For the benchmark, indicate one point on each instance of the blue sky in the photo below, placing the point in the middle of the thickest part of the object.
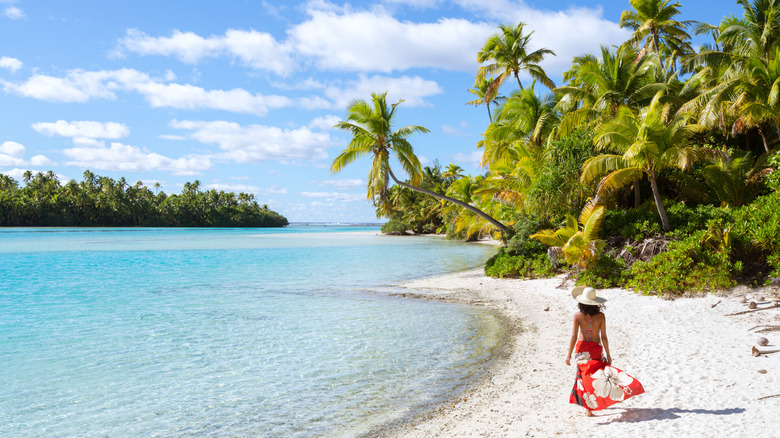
(242, 95)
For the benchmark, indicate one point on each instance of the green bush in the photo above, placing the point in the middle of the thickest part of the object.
(605, 273)
(395, 226)
(521, 244)
(634, 224)
(690, 265)
(686, 220)
(758, 224)
(503, 265)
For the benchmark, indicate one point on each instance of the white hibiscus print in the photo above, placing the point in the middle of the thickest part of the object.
(590, 400)
(579, 385)
(608, 382)
(582, 356)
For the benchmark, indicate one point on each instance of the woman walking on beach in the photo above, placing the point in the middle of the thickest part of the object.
(598, 384)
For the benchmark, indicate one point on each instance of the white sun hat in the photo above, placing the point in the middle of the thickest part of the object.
(587, 295)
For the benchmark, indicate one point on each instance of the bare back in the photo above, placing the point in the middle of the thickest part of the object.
(590, 327)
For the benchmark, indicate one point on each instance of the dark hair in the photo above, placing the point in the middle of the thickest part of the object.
(589, 309)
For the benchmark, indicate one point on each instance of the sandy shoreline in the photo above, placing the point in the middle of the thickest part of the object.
(694, 361)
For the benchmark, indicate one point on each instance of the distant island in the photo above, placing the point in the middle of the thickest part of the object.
(99, 201)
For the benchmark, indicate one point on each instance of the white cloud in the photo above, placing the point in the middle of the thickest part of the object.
(9, 160)
(18, 174)
(82, 86)
(258, 50)
(120, 157)
(14, 13)
(12, 154)
(12, 64)
(341, 184)
(235, 188)
(572, 32)
(41, 160)
(12, 148)
(87, 129)
(376, 41)
(243, 188)
(190, 97)
(455, 131)
(77, 85)
(325, 122)
(413, 89)
(335, 196)
(172, 137)
(91, 142)
(473, 159)
(254, 143)
(416, 3)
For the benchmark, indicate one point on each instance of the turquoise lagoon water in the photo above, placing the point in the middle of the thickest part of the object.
(191, 332)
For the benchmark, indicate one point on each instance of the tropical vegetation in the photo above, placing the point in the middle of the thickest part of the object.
(99, 201)
(651, 166)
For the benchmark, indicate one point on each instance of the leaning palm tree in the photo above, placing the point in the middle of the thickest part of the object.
(508, 54)
(371, 126)
(644, 145)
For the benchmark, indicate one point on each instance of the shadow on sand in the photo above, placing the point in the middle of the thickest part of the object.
(637, 415)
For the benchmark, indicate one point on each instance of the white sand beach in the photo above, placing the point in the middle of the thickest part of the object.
(693, 360)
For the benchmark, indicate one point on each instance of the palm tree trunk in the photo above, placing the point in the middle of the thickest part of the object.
(518, 82)
(504, 230)
(637, 194)
(658, 204)
(763, 138)
(490, 116)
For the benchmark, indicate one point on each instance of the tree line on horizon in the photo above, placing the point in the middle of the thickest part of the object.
(651, 166)
(100, 201)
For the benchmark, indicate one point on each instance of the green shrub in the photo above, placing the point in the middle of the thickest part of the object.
(690, 265)
(686, 220)
(634, 224)
(605, 273)
(521, 244)
(503, 265)
(395, 226)
(758, 224)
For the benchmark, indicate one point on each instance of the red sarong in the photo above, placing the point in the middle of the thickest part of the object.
(599, 385)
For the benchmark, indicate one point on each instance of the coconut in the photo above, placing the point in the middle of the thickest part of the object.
(752, 305)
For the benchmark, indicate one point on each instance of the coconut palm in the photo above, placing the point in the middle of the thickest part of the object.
(644, 145)
(735, 181)
(757, 34)
(508, 53)
(485, 95)
(452, 172)
(525, 120)
(601, 86)
(655, 28)
(371, 126)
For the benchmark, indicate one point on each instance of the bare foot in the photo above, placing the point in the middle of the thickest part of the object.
(588, 413)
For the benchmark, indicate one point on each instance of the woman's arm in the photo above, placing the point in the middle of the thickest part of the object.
(572, 341)
(604, 340)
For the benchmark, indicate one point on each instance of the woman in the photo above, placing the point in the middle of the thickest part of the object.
(598, 384)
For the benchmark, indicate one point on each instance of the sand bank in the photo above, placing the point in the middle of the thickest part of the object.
(694, 361)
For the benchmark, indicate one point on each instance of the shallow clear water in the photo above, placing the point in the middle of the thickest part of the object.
(260, 332)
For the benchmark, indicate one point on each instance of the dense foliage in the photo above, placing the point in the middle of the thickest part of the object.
(652, 166)
(102, 201)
